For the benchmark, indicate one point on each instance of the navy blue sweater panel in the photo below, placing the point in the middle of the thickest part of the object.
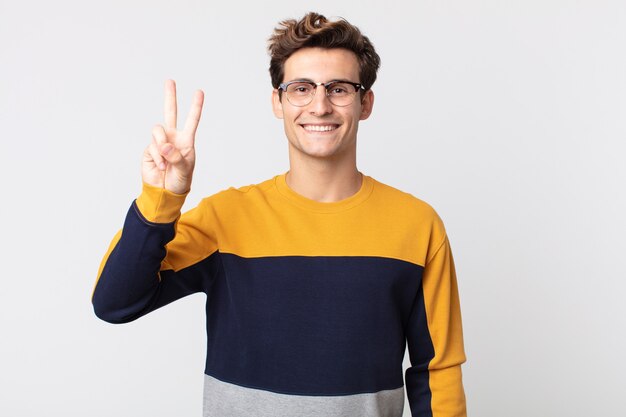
(417, 378)
(340, 323)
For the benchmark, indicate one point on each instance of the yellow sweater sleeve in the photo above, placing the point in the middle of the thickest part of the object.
(443, 315)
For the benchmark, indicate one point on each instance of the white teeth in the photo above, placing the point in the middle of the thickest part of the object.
(318, 128)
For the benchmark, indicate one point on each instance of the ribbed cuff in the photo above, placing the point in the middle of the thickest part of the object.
(159, 205)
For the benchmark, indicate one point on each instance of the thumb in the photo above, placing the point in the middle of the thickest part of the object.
(171, 154)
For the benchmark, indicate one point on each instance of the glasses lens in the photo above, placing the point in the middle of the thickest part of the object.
(341, 94)
(300, 94)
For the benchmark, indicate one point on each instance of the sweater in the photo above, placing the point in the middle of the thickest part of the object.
(310, 306)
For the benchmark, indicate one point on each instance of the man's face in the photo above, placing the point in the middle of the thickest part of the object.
(321, 129)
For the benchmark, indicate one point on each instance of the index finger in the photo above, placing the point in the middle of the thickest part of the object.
(191, 124)
(170, 107)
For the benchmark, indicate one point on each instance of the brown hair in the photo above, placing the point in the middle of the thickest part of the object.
(314, 30)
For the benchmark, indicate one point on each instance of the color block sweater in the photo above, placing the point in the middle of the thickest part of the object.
(310, 306)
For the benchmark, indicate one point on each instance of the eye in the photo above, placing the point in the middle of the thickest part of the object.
(339, 89)
(299, 88)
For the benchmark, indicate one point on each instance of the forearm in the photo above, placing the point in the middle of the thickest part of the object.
(436, 392)
(435, 337)
(129, 281)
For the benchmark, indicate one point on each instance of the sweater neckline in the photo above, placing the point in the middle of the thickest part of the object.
(367, 185)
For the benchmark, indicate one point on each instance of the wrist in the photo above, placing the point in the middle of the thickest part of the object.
(159, 205)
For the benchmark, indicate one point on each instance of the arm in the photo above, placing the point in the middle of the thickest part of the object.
(135, 276)
(150, 264)
(435, 341)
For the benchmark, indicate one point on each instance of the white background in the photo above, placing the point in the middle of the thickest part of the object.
(507, 116)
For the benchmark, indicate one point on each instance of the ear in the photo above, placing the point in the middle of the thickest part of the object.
(277, 106)
(367, 103)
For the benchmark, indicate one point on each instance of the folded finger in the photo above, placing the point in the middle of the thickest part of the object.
(155, 155)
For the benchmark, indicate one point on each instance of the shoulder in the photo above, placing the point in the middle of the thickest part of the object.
(412, 211)
(404, 201)
(236, 196)
(244, 190)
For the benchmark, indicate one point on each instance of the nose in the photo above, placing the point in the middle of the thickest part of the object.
(320, 104)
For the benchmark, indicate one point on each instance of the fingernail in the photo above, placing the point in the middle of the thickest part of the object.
(166, 149)
(162, 166)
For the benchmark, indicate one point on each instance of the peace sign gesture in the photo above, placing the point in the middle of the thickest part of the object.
(169, 160)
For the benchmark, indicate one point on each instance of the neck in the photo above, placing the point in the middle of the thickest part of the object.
(322, 180)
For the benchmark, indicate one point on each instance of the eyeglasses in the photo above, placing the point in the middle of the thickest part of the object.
(340, 93)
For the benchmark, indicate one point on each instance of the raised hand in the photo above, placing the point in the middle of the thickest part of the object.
(169, 160)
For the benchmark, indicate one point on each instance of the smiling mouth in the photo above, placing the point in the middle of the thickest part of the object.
(319, 128)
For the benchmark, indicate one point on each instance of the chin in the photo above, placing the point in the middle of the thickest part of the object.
(317, 152)
(321, 148)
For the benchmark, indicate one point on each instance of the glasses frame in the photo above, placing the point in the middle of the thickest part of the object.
(357, 88)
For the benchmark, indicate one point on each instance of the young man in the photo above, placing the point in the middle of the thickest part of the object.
(316, 279)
